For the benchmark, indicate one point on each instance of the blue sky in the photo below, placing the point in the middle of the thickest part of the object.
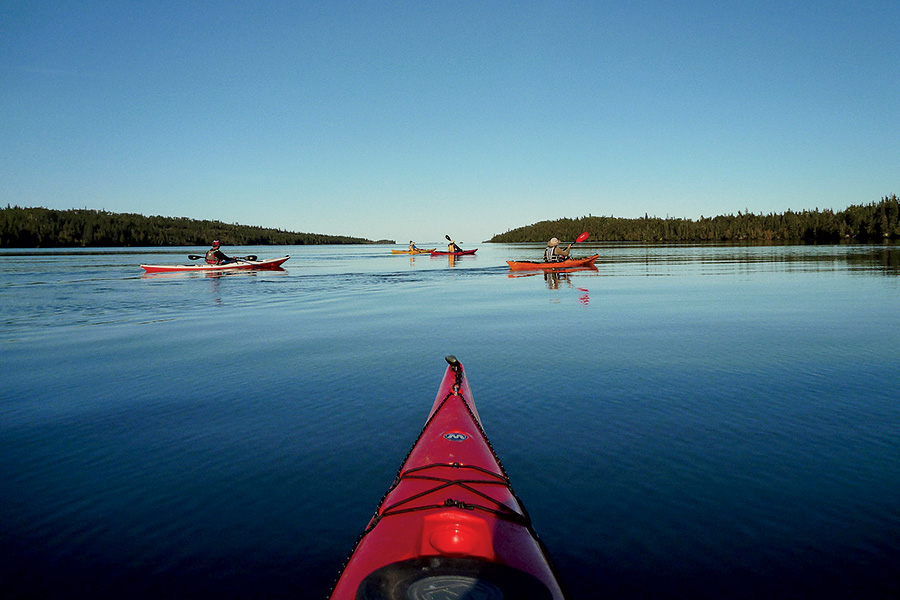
(411, 120)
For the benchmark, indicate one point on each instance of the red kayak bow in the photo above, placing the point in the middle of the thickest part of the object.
(450, 526)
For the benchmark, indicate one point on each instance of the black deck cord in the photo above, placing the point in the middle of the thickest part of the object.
(501, 512)
(526, 518)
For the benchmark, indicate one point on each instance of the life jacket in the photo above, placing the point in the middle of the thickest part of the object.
(551, 256)
(211, 258)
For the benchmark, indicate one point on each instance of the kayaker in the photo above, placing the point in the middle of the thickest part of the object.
(412, 246)
(214, 256)
(552, 252)
(452, 247)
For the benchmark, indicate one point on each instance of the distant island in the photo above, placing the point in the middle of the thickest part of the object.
(875, 222)
(47, 228)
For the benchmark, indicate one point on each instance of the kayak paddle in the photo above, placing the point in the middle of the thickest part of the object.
(458, 249)
(580, 238)
(198, 257)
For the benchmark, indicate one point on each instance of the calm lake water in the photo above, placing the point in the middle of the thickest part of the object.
(683, 421)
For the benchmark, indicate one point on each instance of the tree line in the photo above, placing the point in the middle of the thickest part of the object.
(47, 228)
(874, 222)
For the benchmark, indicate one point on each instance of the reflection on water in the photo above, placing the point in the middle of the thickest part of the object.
(712, 259)
(214, 274)
(885, 258)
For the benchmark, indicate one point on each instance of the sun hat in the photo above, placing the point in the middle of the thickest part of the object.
(553, 242)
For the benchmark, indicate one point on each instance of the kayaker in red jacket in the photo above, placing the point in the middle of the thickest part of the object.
(552, 252)
(214, 256)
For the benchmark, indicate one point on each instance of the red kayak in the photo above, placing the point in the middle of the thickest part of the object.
(239, 264)
(450, 526)
(461, 253)
(524, 265)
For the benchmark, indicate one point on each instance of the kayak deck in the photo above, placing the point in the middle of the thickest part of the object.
(450, 524)
(268, 264)
(524, 265)
(444, 253)
(426, 251)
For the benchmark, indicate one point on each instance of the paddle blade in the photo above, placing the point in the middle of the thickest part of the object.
(581, 237)
(194, 257)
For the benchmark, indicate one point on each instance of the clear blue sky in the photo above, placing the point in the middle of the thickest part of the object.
(409, 120)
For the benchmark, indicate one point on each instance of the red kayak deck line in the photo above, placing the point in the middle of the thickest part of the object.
(268, 264)
(442, 253)
(450, 526)
(524, 265)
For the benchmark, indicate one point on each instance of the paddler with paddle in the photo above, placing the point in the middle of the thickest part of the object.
(452, 247)
(553, 253)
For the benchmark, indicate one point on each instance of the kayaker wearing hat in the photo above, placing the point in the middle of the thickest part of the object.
(412, 246)
(214, 256)
(552, 253)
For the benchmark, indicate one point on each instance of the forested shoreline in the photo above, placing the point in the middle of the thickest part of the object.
(874, 222)
(48, 228)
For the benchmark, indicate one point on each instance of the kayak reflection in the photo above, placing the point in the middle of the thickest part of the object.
(563, 278)
(451, 257)
(213, 274)
(555, 275)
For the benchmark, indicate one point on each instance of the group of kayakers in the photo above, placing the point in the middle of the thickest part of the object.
(451, 247)
(552, 253)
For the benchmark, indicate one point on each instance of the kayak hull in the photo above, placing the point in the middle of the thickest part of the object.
(413, 251)
(464, 252)
(527, 265)
(239, 265)
(450, 524)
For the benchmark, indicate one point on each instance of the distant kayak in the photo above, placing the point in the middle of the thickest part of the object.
(413, 251)
(526, 265)
(440, 253)
(240, 264)
(450, 526)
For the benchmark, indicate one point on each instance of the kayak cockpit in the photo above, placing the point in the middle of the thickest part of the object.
(450, 577)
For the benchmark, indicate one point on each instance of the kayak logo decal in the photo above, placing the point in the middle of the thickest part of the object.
(455, 436)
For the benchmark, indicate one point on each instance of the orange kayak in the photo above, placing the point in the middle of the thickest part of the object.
(413, 251)
(526, 265)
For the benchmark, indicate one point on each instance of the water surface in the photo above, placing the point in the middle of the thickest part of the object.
(687, 421)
